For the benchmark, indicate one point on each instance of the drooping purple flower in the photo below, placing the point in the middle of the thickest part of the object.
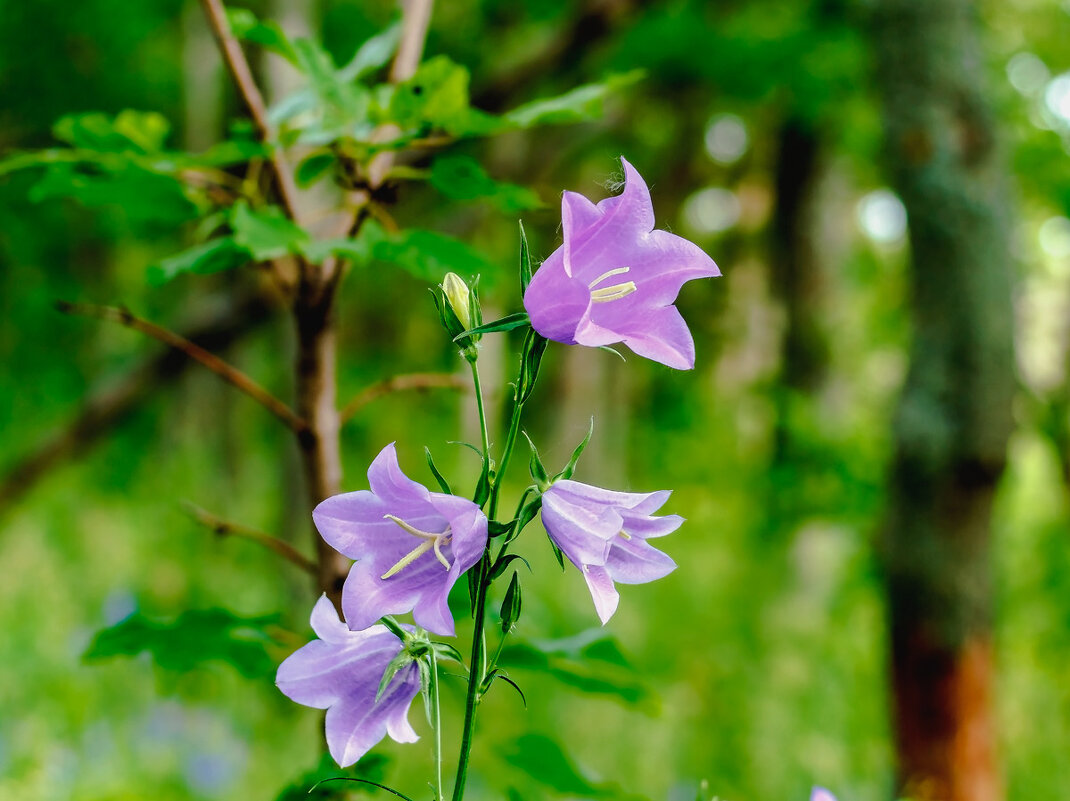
(615, 278)
(604, 534)
(411, 545)
(821, 794)
(341, 672)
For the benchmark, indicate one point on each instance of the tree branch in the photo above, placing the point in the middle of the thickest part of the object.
(224, 528)
(228, 373)
(238, 67)
(111, 404)
(399, 383)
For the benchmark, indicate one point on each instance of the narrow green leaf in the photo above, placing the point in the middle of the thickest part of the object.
(557, 553)
(507, 323)
(525, 262)
(503, 563)
(434, 471)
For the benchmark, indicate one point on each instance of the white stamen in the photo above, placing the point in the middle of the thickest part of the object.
(608, 274)
(625, 534)
(615, 292)
(430, 540)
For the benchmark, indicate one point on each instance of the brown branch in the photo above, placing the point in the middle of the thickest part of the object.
(400, 383)
(113, 403)
(413, 35)
(224, 528)
(238, 66)
(228, 373)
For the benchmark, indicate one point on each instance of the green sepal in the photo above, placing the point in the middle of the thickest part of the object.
(434, 471)
(503, 562)
(397, 663)
(507, 323)
(496, 528)
(425, 689)
(447, 315)
(570, 468)
(525, 261)
(395, 628)
(614, 351)
(557, 553)
(535, 466)
(526, 515)
(444, 650)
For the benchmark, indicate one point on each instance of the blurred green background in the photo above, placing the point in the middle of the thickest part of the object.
(760, 665)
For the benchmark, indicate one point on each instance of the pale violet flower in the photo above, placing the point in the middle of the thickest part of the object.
(605, 533)
(411, 546)
(615, 278)
(341, 672)
(821, 794)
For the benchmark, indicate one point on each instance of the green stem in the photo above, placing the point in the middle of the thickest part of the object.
(482, 411)
(510, 441)
(475, 681)
(436, 724)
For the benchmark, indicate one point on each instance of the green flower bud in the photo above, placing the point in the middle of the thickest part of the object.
(457, 294)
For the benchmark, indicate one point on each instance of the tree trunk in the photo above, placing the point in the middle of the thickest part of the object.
(954, 417)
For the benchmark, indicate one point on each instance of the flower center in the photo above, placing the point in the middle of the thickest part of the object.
(614, 292)
(430, 541)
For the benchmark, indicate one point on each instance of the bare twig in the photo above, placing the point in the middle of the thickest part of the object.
(399, 383)
(238, 66)
(227, 372)
(413, 34)
(116, 400)
(225, 528)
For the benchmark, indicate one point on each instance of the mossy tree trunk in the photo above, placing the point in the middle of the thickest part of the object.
(954, 417)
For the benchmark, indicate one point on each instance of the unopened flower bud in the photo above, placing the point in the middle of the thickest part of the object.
(456, 291)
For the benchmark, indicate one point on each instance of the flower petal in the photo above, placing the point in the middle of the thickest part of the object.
(663, 337)
(577, 215)
(635, 561)
(389, 483)
(603, 593)
(582, 532)
(356, 724)
(554, 302)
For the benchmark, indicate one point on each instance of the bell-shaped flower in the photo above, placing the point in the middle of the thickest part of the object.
(411, 546)
(341, 672)
(605, 533)
(821, 794)
(615, 278)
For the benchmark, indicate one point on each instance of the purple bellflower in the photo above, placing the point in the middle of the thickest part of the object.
(341, 672)
(821, 794)
(615, 278)
(604, 534)
(411, 546)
